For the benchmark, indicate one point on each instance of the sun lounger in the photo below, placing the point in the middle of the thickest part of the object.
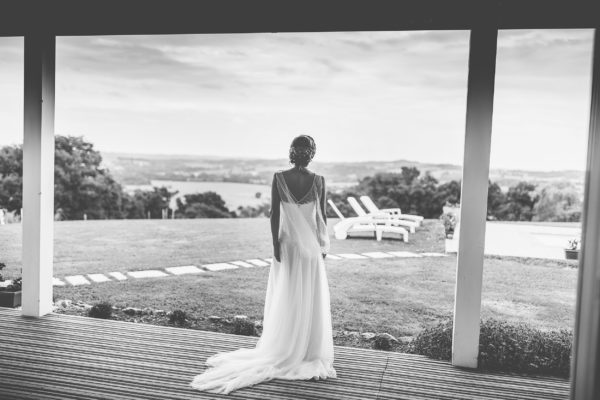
(363, 224)
(382, 217)
(393, 212)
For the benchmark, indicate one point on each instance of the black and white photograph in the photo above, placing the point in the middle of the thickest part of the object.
(271, 200)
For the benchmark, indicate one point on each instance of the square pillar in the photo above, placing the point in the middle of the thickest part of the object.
(473, 203)
(585, 364)
(38, 174)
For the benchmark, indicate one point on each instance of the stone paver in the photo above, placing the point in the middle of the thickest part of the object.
(118, 276)
(77, 280)
(98, 278)
(259, 262)
(351, 256)
(251, 263)
(184, 269)
(149, 273)
(433, 254)
(219, 266)
(378, 254)
(405, 254)
(243, 264)
(57, 282)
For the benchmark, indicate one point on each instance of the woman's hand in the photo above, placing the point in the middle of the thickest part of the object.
(277, 251)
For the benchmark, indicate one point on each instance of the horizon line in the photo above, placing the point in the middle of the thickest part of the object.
(205, 156)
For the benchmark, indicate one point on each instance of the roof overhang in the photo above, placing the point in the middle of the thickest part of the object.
(144, 17)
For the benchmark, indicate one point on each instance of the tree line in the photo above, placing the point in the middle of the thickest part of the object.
(423, 195)
(83, 188)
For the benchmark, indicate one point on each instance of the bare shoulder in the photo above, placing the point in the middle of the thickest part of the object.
(320, 180)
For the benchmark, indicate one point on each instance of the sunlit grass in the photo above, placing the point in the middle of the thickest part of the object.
(400, 296)
(82, 247)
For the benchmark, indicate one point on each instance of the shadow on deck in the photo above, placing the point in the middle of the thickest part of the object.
(67, 357)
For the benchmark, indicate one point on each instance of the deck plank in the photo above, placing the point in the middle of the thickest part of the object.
(68, 357)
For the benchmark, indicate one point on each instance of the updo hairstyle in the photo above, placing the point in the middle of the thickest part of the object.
(302, 150)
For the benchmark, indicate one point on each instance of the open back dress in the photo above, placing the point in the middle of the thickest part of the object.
(297, 341)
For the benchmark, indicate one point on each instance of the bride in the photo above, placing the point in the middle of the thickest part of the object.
(296, 341)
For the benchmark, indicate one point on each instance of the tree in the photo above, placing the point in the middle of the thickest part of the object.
(424, 199)
(495, 200)
(386, 202)
(520, 202)
(409, 174)
(203, 205)
(558, 203)
(81, 184)
(11, 178)
(339, 199)
(153, 201)
(407, 191)
(262, 210)
(449, 192)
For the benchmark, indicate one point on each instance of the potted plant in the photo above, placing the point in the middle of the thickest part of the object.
(572, 250)
(449, 218)
(10, 291)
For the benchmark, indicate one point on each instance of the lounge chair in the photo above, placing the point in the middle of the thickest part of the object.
(363, 224)
(382, 217)
(394, 212)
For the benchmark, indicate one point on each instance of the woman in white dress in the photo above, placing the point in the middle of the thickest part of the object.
(296, 341)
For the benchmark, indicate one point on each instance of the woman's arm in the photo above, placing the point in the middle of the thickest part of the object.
(323, 200)
(275, 200)
(323, 206)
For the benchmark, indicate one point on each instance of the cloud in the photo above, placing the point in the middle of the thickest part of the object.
(236, 94)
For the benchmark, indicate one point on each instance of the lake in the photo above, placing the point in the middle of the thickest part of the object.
(234, 194)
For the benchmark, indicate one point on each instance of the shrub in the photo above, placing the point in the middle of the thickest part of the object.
(524, 349)
(573, 244)
(101, 310)
(384, 341)
(16, 285)
(504, 346)
(178, 317)
(243, 326)
(449, 220)
(435, 342)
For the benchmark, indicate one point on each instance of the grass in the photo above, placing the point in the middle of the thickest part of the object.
(397, 296)
(125, 245)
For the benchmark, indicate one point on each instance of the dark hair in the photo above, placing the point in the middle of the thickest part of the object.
(302, 150)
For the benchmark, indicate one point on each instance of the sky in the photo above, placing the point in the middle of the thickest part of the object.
(361, 95)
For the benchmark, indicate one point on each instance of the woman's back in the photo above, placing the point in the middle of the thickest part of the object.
(299, 183)
(302, 217)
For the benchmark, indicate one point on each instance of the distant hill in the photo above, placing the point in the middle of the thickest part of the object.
(140, 169)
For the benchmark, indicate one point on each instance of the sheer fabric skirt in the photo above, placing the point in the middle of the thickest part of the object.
(297, 341)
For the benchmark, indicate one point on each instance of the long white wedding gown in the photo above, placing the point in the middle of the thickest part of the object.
(296, 341)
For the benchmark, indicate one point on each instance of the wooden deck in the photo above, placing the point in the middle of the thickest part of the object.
(65, 357)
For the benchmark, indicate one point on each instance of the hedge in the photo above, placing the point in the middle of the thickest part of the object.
(504, 347)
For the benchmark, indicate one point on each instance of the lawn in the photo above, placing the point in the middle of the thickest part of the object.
(82, 247)
(399, 296)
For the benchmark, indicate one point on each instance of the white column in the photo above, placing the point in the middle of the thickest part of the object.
(585, 365)
(473, 210)
(38, 174)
